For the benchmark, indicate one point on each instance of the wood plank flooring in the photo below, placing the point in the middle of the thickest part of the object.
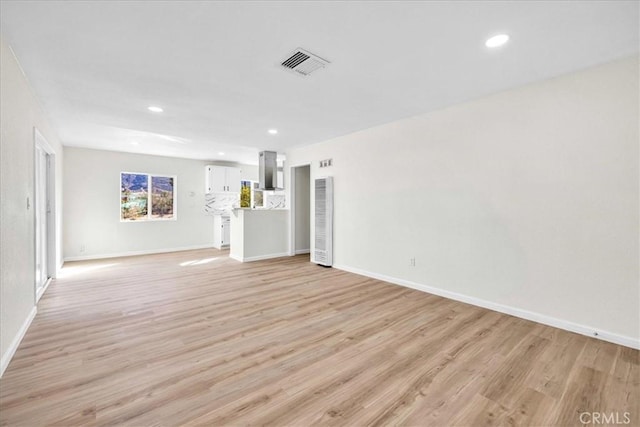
(194, 338)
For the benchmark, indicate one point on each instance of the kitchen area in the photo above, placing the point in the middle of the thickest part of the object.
(249, 217)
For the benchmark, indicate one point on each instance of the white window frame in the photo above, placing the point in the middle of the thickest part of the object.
(253, 196)
(149, 193)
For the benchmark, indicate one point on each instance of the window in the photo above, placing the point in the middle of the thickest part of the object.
(245, 194)
(137, 203)
(258, 196)
(250, 195)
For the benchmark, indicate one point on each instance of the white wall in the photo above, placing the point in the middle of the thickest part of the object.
(19, 114)
(92, 209)
(259, 234)
(302, 213)
(525, 201)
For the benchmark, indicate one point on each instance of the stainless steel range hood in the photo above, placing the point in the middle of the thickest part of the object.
(270, 173)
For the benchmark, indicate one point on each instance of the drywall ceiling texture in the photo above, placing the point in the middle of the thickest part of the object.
(213, 66)
(527, 198)
(19, 114)
(92, 205)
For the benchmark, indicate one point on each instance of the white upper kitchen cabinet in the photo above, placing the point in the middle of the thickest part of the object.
(222, 179)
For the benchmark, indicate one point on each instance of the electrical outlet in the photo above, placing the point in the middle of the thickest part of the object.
(82, 249)
(412, 262)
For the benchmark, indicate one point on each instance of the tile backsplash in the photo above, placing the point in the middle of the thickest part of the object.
(224, 203)
(221, 203)
(276, 201)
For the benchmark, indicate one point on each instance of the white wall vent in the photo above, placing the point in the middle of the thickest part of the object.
(323, 249)
(303, 62)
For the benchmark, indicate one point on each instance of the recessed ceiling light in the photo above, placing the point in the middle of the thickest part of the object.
(156, 109)
(220, 153)
(497, 41)
(134, 143)
(273, 131)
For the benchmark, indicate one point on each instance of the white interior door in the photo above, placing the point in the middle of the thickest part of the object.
(41, 207)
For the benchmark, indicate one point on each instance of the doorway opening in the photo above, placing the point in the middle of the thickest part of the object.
(44, 215)
(301, 210)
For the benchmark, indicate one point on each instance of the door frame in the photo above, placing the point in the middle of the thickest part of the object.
(52, 264)
(292, 207)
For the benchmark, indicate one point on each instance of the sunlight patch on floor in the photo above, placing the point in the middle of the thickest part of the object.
(197, 262)
(71, 271)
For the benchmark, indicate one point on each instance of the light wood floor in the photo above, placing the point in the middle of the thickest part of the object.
(163, 340)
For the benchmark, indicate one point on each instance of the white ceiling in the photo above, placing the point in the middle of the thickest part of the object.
(96, 66)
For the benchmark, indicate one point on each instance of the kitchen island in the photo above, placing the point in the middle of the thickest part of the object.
(258, 234)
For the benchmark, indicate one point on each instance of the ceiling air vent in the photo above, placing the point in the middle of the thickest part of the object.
(303, 62)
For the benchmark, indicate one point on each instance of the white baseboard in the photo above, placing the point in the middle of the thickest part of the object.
(258, 258)
(303, 251)
(43, 289)
(513, 311)
(134, 253)
(6, 357)
(57, 272)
